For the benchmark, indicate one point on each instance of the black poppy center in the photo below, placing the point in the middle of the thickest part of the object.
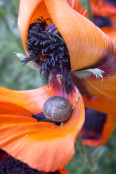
(47, 48)
(9, 165)
(94, 124)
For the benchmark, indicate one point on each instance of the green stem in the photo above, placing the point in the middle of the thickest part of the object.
(90, 15)
(92, 166)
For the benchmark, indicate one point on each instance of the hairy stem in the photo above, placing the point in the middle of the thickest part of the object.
(92, 166)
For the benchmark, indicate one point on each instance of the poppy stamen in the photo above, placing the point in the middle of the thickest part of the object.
(47, 48)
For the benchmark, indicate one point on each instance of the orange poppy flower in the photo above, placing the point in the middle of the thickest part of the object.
(11, 165)
(98, 127)
(102, 8)
(101, 119)
(87, 45)
(38, 143)
(42, 145)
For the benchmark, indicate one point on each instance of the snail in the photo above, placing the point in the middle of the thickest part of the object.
(57, 109)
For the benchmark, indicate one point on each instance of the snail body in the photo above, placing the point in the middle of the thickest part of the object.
(57, 109)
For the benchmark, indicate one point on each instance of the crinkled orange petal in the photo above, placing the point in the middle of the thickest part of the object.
(100, 103)
(29, 11)
(63, 171)
(100, 2)
(98, 86)
(107, 86)
(30, 100)
(42, 145)
(111, 32)
(76, 5)
(86, 42)
(9, 108)
(102, 8)
(106, 133)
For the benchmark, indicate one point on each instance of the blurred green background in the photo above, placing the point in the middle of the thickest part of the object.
(14, 75)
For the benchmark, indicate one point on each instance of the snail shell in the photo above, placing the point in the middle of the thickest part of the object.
(57, 109)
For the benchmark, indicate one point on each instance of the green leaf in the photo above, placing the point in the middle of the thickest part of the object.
(98, 73)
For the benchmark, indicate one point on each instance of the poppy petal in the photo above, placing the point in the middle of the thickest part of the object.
(100, 103)
(27, 15)
(102, 8)
(98, 136)
(28, 100)
(86, 43)
(107, 107)
(42, 145)
(97, 86)
(11, 108)
(63, 171)
(76, 5)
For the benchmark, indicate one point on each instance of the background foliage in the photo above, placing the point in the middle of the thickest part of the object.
(14, 75)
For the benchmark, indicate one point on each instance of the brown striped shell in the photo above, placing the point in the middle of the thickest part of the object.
(57, 109)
